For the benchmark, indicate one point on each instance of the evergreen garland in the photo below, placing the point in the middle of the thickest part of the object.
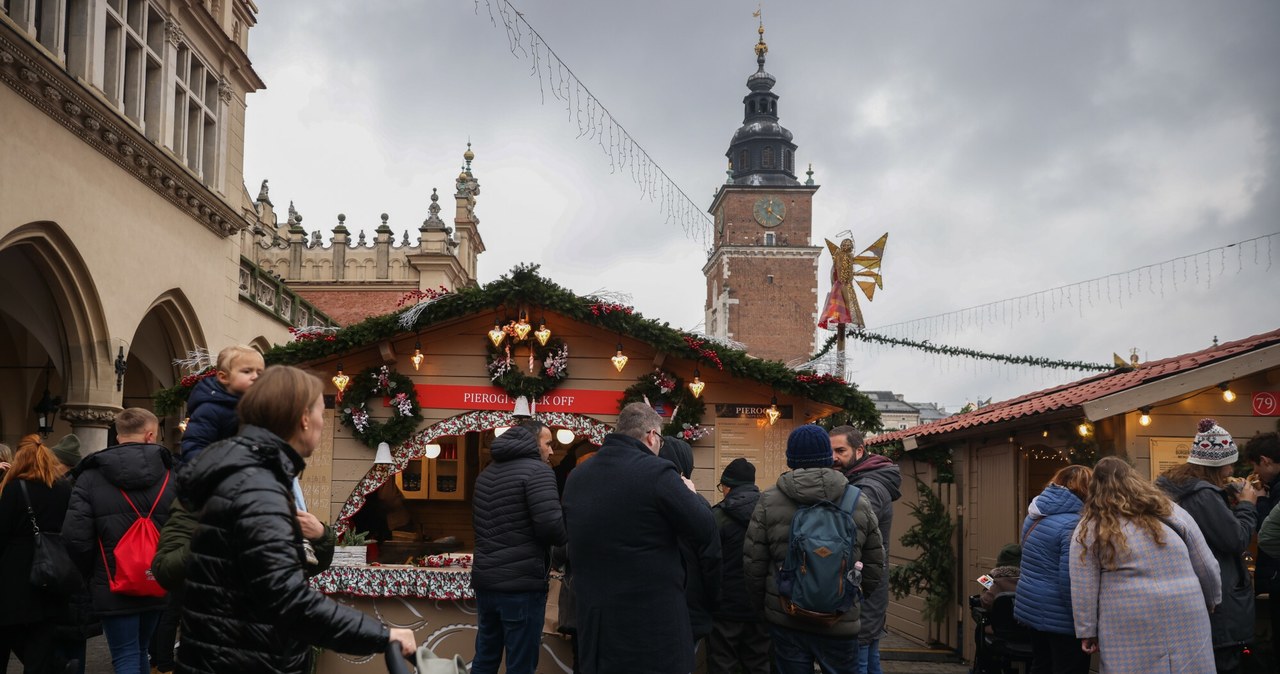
(549, 365)
(1032, 361)
(381, 382)
(931, 573)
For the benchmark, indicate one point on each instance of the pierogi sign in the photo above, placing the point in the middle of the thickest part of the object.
(580, 401)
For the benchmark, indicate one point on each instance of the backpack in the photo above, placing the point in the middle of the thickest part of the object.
(134, 553)
(820, 577)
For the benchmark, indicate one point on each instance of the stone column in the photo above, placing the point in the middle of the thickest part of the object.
(382, 249)
(89, 423)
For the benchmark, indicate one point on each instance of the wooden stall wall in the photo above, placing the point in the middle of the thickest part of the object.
(905, 615)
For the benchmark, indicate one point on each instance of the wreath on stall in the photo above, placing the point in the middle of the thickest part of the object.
(546, 367)
(660, 387)
(381, 382)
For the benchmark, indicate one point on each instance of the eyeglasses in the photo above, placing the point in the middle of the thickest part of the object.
(655, 431)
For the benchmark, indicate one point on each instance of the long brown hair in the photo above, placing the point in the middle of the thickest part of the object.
(1118, 494)
(1075, 479)
(1190, 472)
(35, 462)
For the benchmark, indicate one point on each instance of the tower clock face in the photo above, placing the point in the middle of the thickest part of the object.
(770, 211)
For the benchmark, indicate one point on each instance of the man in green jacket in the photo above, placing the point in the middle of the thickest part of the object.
(799, 644)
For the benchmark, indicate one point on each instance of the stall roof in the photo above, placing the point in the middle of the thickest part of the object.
(523, 287)
(1086, 393)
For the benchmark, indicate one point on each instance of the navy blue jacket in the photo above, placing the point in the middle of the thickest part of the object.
(1044, 592)
(212, 412)
(516, 516)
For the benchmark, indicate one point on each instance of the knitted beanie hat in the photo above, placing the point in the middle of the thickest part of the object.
(68, 450)
(1213, 446)
(1010, 555)
(738, 472)
(809, 446)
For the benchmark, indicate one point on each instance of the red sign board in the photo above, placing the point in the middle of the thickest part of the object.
(580, 401)
(1266, 404)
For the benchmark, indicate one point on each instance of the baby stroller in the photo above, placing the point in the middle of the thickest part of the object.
(1006, 645)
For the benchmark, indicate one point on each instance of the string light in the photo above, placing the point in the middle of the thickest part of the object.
(542, 334)
(1145, 419)
(340, 381)
(496, 335)
(619, 359)
(417, 356)
(773, 412)
(1227, 394)
(696, 386)
(1084, 429)
(522, 328)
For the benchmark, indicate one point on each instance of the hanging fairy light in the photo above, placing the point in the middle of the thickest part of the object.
(619, 359)
(1145, 419)
(1084, 429)
(417, 356)
(341, 381)
(773, 413)
(496, 335)
(542, 334)
(522, 328)
(1227, 394)
(696, 386)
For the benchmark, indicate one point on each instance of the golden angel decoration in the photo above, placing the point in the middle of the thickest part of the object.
(841, 307)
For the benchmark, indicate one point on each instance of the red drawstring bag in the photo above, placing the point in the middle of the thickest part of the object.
(134, 553)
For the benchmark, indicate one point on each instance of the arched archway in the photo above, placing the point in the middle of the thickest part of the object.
(260, 344)
(416, 448)
(168, 331)
(51, 314)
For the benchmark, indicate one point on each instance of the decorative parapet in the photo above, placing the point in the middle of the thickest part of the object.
(59, 95)
(270, 294)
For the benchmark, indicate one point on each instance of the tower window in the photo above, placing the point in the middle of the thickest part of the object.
(787, 161)
(745, 163)
(766, 157)
(769, 279)
(769, 240)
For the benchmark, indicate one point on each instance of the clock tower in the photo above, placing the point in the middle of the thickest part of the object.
(762, 273)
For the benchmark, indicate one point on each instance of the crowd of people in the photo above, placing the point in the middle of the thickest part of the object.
(222, 544)
(1151, 575)
(212, 548)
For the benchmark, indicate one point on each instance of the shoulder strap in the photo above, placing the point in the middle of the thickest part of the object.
(850, 498)
(30, 512)
(163, 486)
(1031, 529)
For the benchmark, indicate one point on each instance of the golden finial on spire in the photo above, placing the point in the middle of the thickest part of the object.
(761, 47)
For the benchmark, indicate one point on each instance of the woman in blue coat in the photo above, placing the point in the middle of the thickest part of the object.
(1043, 600)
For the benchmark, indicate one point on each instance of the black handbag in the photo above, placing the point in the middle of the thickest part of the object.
(51, 567)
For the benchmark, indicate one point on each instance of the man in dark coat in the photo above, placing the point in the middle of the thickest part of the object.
(799, 644)
(626, 511)
(99, 516)
(517, 519)
(881, 481)
(1263, 452)
(739, 637)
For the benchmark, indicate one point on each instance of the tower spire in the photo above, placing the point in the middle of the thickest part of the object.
(761, 47)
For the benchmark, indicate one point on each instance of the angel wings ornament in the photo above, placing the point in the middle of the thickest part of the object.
(847, 269)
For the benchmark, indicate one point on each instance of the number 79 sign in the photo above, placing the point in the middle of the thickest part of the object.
(1266, 404)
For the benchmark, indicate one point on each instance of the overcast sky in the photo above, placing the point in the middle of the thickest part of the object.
(1006, 147)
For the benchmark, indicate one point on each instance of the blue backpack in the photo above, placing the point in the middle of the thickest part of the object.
(820, 577)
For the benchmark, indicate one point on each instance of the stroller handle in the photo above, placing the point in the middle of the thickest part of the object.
(397, 662)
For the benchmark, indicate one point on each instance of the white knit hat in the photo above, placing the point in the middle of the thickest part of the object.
(1213, 446)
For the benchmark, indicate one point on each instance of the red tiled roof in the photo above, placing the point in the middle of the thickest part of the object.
(1080, 392)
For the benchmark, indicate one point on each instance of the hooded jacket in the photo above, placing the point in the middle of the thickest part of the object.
(1228, 532)
(733, 514)
(516, 515)
(697, 596)
(1044, 587)
(212, 412)
(99, 513)
(247, 606)
(881, 480)
(769, 534)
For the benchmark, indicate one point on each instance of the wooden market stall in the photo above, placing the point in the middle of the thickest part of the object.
(481, 349)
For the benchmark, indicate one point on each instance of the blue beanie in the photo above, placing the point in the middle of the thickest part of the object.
(809, 446)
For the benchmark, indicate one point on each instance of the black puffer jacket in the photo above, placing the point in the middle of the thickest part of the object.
(248, 607)
(733, 514)
(698, 597)
(516, 516)
(99, 512)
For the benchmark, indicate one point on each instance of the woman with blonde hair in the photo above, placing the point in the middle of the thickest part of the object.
(1227, 519)
(1043, 600)
(248, 607)
(1143, 580)
(27, 613)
